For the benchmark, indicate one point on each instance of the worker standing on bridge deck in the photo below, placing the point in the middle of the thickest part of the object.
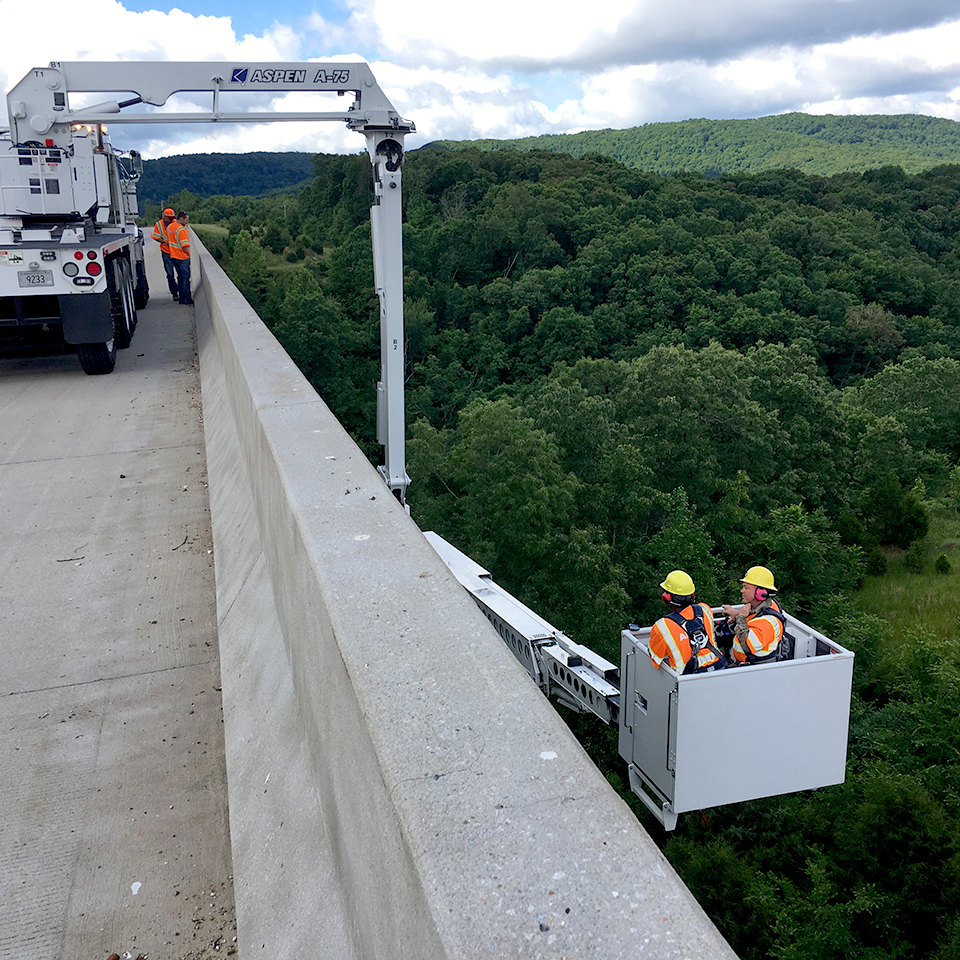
(160, 229)
(179, 237)
(684, 637)
(758, 626)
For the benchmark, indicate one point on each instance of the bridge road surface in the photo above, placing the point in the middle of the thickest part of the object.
(114, 835)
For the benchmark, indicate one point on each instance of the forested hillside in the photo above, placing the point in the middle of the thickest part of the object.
(611, 374)
(815, 145)
(205, 174)
(818, 145)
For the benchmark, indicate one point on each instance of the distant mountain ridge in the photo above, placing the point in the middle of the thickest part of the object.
(227, 174)
(819, 145)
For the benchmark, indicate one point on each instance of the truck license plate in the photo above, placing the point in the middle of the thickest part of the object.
(35, 278)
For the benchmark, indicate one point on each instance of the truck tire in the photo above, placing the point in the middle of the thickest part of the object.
(129, 300)
(141, 289)
(124, 313)
(97, 357)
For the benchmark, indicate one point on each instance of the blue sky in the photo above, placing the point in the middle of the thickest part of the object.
(511, 68)
(248, 17)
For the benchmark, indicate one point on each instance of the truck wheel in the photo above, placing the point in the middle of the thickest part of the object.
(121, 302)
(141, 290)
(129, 303)
(97, 357)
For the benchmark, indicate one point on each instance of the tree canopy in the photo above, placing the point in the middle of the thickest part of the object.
(612, 374)
(204, 174)
(823, 145)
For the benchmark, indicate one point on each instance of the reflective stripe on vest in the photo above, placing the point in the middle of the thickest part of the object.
(703, 647)
(179, 241)
(676, 633)
(765, 630)
(671, 645)
(160, 235)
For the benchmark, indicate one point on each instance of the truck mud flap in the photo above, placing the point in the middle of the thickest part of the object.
(87, 318)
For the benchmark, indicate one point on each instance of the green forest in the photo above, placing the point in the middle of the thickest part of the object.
(204, 174)
(613, 373)
(813, 144)
(817, 145)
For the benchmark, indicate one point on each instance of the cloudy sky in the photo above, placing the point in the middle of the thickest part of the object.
(511, 68)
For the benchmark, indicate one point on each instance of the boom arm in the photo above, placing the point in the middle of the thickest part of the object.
(39, 106)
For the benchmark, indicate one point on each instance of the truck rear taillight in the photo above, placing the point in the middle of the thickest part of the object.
(70, 269)
(93, 268)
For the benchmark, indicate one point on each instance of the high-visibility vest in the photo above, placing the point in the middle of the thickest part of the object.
(160, 235)
(670, 638)
(765, 627)
(178, 236)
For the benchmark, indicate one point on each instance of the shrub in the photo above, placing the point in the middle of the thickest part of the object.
(876, 562)
(897, 515)
(913, 560)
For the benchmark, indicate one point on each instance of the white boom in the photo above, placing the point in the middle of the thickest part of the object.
(667, 721)
(39, 109)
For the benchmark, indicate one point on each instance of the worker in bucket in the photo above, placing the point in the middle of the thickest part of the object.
(683, 638)
(757, 627)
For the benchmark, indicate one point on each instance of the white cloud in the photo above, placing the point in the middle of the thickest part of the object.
(105, 30)
(861, 75)
(514, 68)
(775, 74)
(331, 35)
(276, 137)
(442, 33)
(529, 35)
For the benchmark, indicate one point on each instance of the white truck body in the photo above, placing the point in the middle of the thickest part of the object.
(71, 254)
(65, 189)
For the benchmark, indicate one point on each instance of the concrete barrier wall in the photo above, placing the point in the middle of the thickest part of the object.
(398, 786)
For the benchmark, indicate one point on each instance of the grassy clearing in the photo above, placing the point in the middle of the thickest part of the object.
(929, 598)
(215, 236)
(210, 230)
(281, 265)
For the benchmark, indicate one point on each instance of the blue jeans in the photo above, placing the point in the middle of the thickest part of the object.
(168, 270)
(183, 279)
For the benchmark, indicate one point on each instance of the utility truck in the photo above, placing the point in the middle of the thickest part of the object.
(71, 253)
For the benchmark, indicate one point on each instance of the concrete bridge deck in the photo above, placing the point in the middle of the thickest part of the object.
(114, 833)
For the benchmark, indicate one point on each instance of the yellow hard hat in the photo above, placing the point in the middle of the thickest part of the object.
(760, 577)
(678, 583)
